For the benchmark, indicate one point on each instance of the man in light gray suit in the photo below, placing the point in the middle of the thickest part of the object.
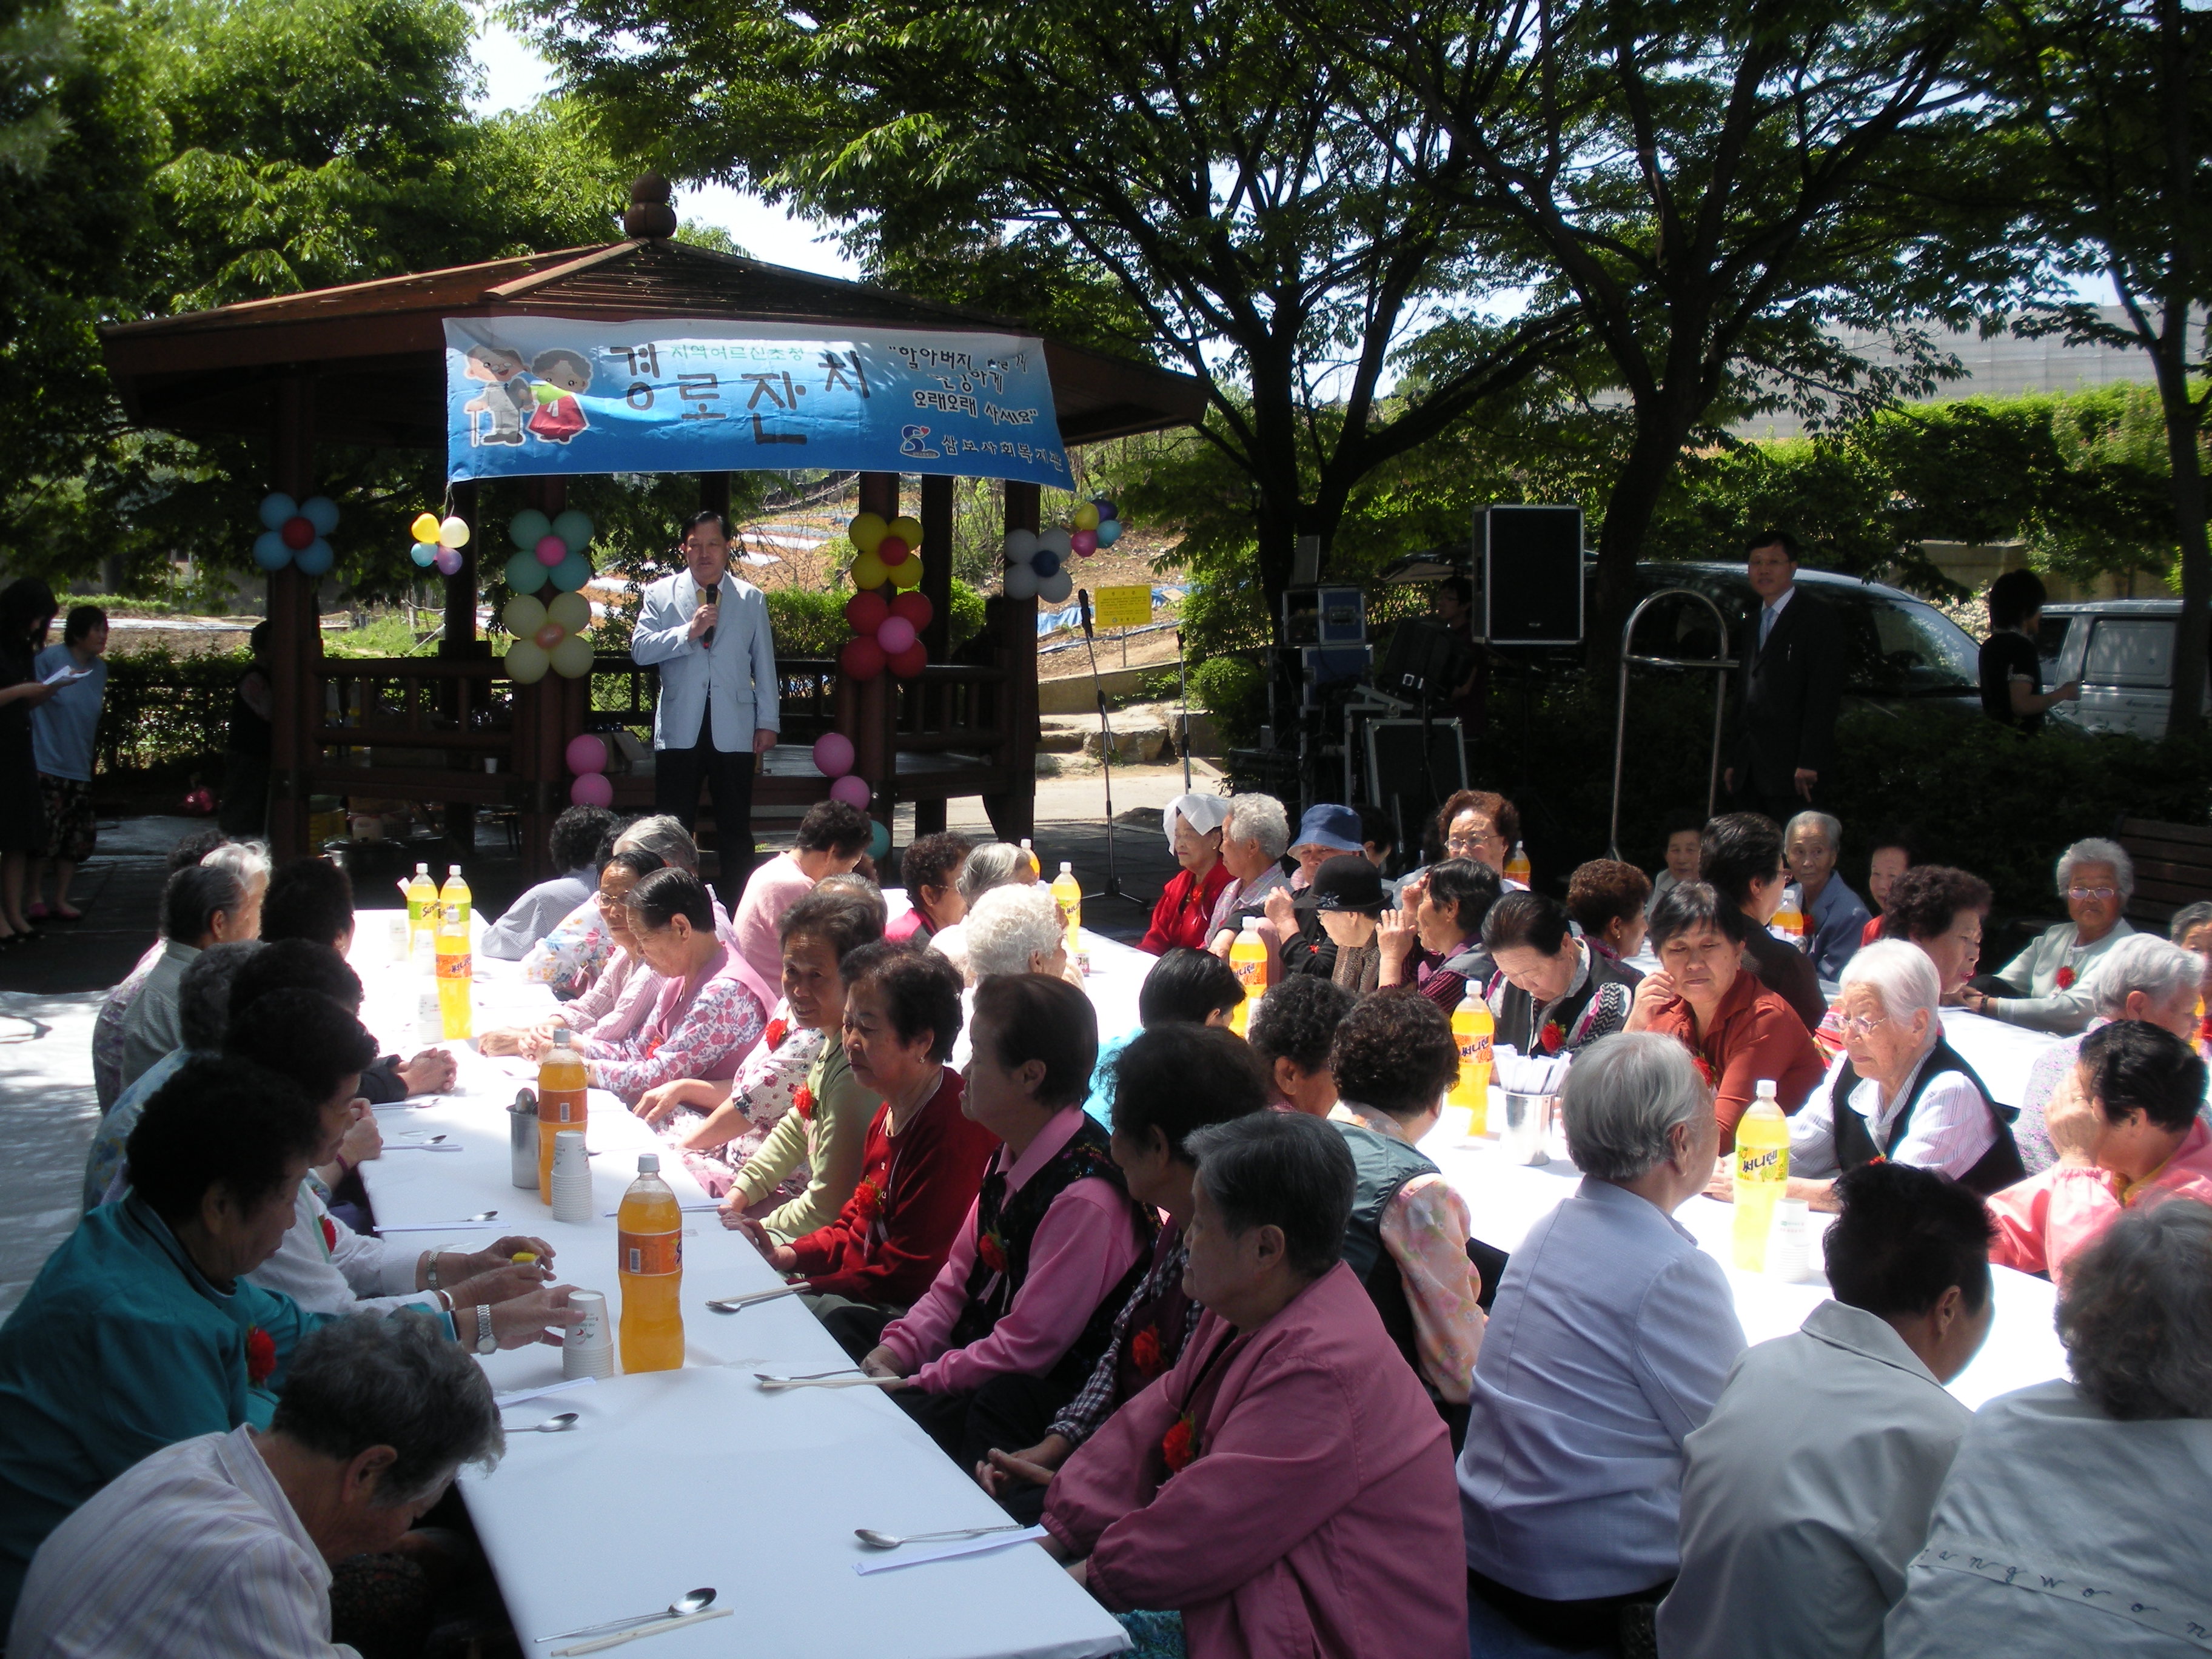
(708, 632)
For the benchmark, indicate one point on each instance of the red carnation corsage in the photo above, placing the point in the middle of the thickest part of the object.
(1144, 1349)
(1704, 1069)
(1179, 1445)
(1551, 1039)
(777, 1031)
(803, 1102)
(2065, 978)
(260, 1355)
(330, 1236)
(868, 1199)
(992, 1253)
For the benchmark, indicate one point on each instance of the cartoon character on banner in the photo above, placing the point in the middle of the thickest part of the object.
(438, 542)
(293, 533)
(505, 397)
(888, 614)
(562, 377)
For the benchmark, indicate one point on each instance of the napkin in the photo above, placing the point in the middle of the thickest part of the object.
(515, 1397)
(915, 1555)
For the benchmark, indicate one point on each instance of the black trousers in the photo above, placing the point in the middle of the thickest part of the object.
(676, 777)
(1009, 1411)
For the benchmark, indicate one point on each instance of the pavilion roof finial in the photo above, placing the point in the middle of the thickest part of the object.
(650, 214)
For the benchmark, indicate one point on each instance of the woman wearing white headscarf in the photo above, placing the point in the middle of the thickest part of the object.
(1192, 823)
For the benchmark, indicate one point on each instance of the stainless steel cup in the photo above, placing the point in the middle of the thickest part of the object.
(1521, 1137)
(522, 1140)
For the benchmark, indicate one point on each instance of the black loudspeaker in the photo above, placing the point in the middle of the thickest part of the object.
(1532, 575)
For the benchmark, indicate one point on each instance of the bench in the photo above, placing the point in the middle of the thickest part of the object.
(2173, 867)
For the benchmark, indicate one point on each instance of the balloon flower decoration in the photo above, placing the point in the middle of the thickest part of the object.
(588, 759)
(551, 550)
(888, 614)
(833, 758)
(549, 632)
(440, 541)
(1036, 560)
(293, 532)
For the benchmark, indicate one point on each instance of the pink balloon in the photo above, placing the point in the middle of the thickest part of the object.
(896, 634)
(592, 789)
(587, 753)
(1084, 541)
(551, 550)
(833, 753)
(852, 791)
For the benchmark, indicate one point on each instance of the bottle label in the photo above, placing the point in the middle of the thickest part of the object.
(651, 1256)
(1474, 1050)
(453, 964)
(1762, 1163)
(561, 1106)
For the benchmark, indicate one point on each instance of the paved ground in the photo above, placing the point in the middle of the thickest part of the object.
(51, 990)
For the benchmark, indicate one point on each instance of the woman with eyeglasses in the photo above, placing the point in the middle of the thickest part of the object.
(2044, 988)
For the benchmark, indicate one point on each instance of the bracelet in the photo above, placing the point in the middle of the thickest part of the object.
(429, 1270)
(346, 1166)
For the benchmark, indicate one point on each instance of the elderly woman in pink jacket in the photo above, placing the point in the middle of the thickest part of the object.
(1286, 1489)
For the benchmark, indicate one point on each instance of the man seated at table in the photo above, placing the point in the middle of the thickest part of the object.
(2046, 987)
(1168, 1083)
(1183, 987)
(223, 1543)
(1741, 859)
(1819, 1465)
(312, 899)
(2130, 1133)
(1610, 1339)
(574, 843)
(1291, 1032)
(1286, 1488)
(831, 839)
(202, 906)
(1394, 1056)
(1024, 1306)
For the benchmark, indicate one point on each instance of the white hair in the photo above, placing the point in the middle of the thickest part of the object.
(1261, 818)
(2097, 850)
(666, 838)
(994, 864)
(1831, 828)
(248, 860)
(1903, 975)
(2160, 969)
(1008, 927)
(1624, 1096)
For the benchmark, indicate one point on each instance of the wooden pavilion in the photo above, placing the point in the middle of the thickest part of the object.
(365, 364)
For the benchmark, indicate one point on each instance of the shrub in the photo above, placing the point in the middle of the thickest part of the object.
(1234, 690)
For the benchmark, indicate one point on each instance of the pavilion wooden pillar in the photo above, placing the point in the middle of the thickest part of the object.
(546, 715)
(715, 494)
(1013, 814)
(296, 643)
(876, 758)
(460, 640)
(936, 517)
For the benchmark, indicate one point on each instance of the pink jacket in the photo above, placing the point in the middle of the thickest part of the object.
(2045, 1221)
(1320, 1518)
(770, 890)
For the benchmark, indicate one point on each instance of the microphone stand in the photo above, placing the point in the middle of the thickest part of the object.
(1112, 888)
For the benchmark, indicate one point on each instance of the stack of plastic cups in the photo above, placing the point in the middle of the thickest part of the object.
(588, 1349)
(429, 1018)
(572, 1177)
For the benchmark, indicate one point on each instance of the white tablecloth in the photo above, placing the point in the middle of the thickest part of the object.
(678, 1479)
(2002, 1056)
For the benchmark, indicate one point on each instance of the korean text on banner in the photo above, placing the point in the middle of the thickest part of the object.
(1122, 607)
(526, 396)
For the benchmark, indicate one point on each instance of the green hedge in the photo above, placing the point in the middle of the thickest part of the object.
(812, 624)
(1234, 690)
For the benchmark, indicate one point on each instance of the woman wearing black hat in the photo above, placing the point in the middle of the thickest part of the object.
(1347, 894)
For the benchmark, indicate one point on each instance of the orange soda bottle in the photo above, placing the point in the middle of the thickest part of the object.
(455, 975)
(562, 1080)
(650, 1258)
(1248, 955)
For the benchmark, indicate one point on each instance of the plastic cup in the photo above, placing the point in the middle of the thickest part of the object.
(588, 1349)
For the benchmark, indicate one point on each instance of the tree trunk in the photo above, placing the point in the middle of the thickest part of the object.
(2185, 459)
(1636, 491)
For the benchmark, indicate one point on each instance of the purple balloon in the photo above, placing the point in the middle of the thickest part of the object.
(447, 561)
(592, 789)
(852, 790)
(833, 755)
(895, 634)
(586, 753)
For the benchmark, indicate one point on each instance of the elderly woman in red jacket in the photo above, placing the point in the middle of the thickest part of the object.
(1192, 823)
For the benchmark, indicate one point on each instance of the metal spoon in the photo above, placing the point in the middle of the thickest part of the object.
(682, 1607)
(762, 1377)
(417, 1134)
(560, 1425)
(884, 1540)
(730, 1304)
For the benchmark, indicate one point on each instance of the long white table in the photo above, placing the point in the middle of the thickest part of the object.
(696, 1476)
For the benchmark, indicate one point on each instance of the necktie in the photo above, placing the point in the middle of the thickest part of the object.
(1766, 625)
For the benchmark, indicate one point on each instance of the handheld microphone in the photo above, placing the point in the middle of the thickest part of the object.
(1083, 600)
(710, 596)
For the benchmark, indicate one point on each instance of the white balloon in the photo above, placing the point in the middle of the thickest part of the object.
(1058, 540)
(1056, 587)
(1021, 582)
(1020, 544)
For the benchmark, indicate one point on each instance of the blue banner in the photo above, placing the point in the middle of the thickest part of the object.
(527, 396)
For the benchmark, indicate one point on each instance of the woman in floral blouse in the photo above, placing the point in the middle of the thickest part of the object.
(1553, 994)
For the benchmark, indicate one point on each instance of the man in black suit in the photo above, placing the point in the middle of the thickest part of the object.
(1793, 687)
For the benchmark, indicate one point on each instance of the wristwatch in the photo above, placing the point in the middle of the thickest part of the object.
(430, 1271)
(486, 1342)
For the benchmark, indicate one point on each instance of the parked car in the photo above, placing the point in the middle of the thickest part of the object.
(2122, 651)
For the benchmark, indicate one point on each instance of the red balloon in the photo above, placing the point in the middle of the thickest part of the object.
(913, 605)
(861, 658)
(865, 611)
(893, 549)
(298, 532)
(910, 661)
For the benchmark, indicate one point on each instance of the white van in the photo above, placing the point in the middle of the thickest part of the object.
(2122, 651)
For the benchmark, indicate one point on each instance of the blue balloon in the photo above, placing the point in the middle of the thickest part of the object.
(316, 557)
(524, 573)
(276, 507)
(880, 840)
(1105, 506)
(270, 552)
(529, 528)
(321, 512)
(572, 572)
(575, 529)
(1045, 563)
(1108, 531)
(423, 552)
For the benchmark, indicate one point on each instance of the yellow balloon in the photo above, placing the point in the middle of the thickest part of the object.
(572, 658)
(907, 531)
(523, 616)
(526, 662)
(907, 573)
(572, 611)
(425, 527)
(869, 571)
(867, 531)
(1086, 517)
(453, 532)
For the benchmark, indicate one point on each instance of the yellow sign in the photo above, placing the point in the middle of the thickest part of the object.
(1122, 607)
